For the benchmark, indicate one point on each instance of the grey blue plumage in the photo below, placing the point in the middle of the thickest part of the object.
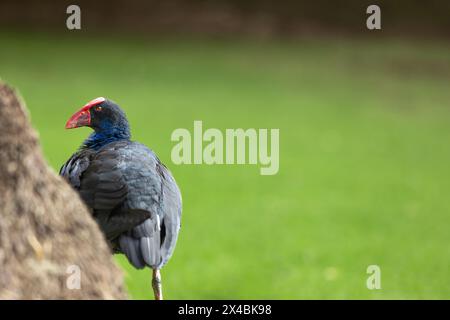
(131, 194)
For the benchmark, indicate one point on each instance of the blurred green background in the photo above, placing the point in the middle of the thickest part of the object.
(364, 154)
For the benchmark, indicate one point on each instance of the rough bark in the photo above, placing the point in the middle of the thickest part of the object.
(46, 232)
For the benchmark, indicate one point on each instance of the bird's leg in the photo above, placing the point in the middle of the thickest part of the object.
(156, 284)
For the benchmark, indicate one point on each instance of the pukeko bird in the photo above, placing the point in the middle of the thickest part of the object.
(131, 194)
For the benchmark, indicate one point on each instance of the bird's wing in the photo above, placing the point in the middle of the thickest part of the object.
(172, 207)
(153, 189)
(100, 181)
(75, 166)
(133, 197)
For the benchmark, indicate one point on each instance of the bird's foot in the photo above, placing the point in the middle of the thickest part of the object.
(157, 285)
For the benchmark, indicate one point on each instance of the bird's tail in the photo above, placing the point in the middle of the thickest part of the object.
(142, 245)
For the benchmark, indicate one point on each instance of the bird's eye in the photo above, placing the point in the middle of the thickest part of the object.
(98, 109)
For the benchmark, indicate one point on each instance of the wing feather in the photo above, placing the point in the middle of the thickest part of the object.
(133, 196)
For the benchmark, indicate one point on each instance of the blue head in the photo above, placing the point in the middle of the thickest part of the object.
(105, 117)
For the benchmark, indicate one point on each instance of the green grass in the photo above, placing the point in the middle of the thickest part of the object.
(364, 156)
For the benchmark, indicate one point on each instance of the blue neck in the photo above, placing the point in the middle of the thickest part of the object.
(102, 136)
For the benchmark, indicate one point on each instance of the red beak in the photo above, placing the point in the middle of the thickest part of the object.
(80, 119)
(83, 117)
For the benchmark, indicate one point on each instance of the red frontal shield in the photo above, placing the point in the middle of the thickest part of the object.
(82, 118)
